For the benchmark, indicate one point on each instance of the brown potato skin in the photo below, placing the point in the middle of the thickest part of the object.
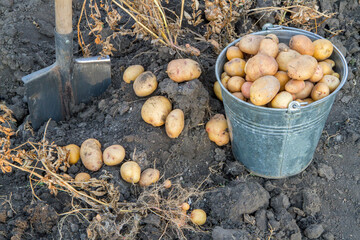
(302, 44)
(285, 57)
(332, 82)
(113, 155)
(269, 47)
(320, 91)
(245, 89)
(283, 47)
(149, 176)
(216, 128)
(132, 72)
(234, 52)
(235, 67)
(302, 67)
(155, 110)
(181, 70)
(250, 43)
(317, 76)
(74, 153)
(326, 67)
(330, 62)
(145, 84)
(234, 84)
(82, 177)
(283, 79)
(174, 123)
(130, 172)
(273, 37)
(306, 91)
(281, 100)
(198, 216)
(239, 95)
(225, 80)
(91, 155)
(294, 86)
(217, 90)
(260, 65)
(224, 74)
(335, 74)
(323, 49)
(263, 90)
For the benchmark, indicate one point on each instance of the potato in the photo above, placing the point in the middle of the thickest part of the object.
(91, 155)
(326, 68)
(74, 153)
(263, 90)
(306, 91)
(113, 155)
(185, 206)
(269, 47)
(234, 52)
(281, 100)
(260, 65)
(235, 67)
(234, 84)
(308, 100)
(285, 57)
(319, 91)
(302, 67)
(130, 172)
(302, 44)
(250, 43)
(82, 177)
(181, 70)
(225, 80)
(283, 47)
(323, 49)
(294, 86)
(224, 74)
(198, 217)
(155, 110)
(145, 84)
(167, 183)
(273, 37)
(330, 62)
(174, 123)
(239, 95)
(217, 90)
(149, 176)
(216, 128)
(132, 72)
(283, 79)
(332, 82)
(317, 76)
(245, 89)
(335, 74)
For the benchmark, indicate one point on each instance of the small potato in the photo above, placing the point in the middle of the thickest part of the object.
(302, 67)
(331, 62)
(269, 47)
(323, 49)
(235, 67)
(326, 68)
(306, 91)
(285, 57)
(260, 65)
(317, 76)
(263, 90)
(155, 110)
(132, 72)
(239, 95)
(294, 86)
(225, 80)
(145, 84)
(234, 84)
(74, 153)
(283, 47)
(220, 139)
(319, 91)
(302, 44)
(332, 82)
(273, 37)
(335, 74)
(113, 155)
(82, 177)
(217, 90)
(91, 155)
(167, 183)
(198, 217)
(216, 128)
(308, 100)
(234, 52)
(250, 43)
(180, 70)
(130, 172)
(224, 74)
(149, 176)
(283, 79)
(174, 123)
(245, 89)
(281, 100)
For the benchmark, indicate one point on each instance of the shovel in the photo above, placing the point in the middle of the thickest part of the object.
(52, 92)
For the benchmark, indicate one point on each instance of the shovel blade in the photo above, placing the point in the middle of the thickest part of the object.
(91, 77)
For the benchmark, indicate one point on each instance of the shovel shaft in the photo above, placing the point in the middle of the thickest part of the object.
(63, 16)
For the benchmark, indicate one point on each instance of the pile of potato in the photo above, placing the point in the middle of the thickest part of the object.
(264, 72)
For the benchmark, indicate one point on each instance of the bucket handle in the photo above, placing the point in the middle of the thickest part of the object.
(295, 106)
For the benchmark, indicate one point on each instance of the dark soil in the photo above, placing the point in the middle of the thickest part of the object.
(322, 202)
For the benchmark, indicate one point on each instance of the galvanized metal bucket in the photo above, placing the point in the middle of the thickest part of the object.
(277, 143)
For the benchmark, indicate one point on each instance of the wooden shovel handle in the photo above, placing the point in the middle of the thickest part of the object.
(63, 16)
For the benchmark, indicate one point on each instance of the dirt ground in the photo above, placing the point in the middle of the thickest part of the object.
(322, 202)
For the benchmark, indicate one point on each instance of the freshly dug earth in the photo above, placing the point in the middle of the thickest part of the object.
(322, 202)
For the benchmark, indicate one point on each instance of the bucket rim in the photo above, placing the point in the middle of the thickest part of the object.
(273, 29)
